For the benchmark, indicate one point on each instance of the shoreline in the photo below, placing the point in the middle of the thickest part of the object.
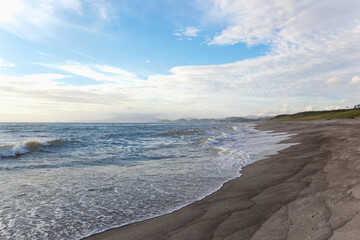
(274, 149)
(266, 200)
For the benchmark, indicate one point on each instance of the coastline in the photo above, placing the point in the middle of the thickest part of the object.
(303, 191)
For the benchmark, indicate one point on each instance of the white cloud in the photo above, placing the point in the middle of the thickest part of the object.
(103, 12)
(287, 109)
(197, 91)
(333, 80)
(4, 63)
(309, 108)
(115, 70)
(328, 108)
(116, 93)
(103, 9)
(191, 32)
(266, 76)
(49, 99)
(187, 32)
(101, 73)
(284, 108)
(283, 22)
(311, 42)
(355, 80)
(33, 19)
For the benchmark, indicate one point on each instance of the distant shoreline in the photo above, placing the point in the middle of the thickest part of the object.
(300, 192)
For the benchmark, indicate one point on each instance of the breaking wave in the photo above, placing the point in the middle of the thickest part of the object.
(177, 133)
(14, 150)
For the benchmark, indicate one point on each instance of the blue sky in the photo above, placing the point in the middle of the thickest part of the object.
(102, 60)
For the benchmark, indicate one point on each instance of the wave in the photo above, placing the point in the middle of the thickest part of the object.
(14, 150)
(177, 133)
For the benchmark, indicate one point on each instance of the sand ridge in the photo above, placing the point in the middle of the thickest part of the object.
(308, 191)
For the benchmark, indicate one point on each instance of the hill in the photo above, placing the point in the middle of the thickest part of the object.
(315, 115)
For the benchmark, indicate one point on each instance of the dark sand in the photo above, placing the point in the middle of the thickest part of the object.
(308, 191)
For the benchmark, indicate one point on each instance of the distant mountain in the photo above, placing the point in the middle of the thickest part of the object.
(234, 119)
(211, 120)
(164, 121)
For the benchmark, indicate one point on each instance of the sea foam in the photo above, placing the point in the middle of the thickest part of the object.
(72, 180)
(13, 150)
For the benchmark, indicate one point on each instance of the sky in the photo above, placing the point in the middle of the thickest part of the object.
(145, 60)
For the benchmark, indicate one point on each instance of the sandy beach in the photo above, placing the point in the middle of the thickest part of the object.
(308, 191)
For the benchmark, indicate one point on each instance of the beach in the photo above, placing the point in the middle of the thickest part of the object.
(310, 190)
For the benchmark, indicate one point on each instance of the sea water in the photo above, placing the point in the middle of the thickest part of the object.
(67, 181)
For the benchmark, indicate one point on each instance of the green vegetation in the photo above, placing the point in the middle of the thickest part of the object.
(315, 115)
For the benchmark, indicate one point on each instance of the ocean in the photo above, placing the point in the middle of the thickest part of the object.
(70, 180)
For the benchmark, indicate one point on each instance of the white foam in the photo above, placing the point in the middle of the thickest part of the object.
(14, 150)
(82, 198)
(244, 146)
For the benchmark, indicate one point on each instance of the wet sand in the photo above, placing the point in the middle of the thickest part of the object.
(308, 191)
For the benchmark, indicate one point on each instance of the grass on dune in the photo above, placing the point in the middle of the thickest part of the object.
(316, 115)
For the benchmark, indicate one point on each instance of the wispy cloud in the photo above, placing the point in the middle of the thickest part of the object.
(101, 73)
(333, 80)
(102, 7)
(33, 19)
(115, 70)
